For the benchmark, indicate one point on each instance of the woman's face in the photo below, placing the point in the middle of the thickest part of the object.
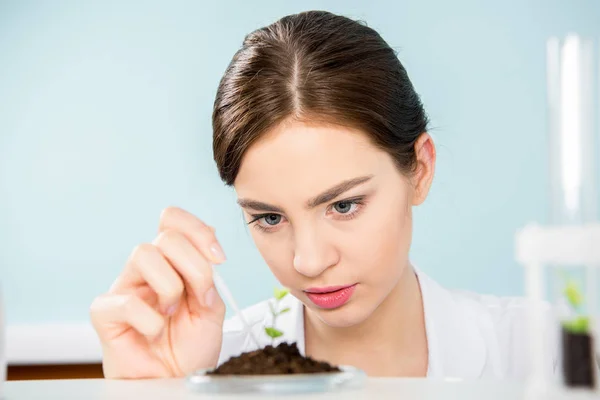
(331, 215)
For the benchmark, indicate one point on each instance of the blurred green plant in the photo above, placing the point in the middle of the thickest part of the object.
(581, 323)
(278, 294)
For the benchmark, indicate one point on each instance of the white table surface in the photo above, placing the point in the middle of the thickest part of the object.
(375, 388)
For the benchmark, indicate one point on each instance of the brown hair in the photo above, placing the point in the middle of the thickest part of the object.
(315, 66)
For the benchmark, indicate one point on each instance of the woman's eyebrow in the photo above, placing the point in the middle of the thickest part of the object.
(337, 190)
(259, 205)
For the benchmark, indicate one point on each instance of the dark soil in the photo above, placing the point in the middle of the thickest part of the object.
(283, 359)
(578, 360)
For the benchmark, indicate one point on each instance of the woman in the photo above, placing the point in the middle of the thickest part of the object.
(319, 130)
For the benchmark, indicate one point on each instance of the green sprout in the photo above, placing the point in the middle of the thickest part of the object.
(279, 294)
(573, 295)
(581, 324)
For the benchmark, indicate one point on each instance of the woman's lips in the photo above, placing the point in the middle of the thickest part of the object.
(330, 297)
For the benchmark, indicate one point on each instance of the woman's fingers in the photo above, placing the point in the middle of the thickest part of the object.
(199, 234)
(109, 313)
(189, 263)
(147, 265)
(179, 261)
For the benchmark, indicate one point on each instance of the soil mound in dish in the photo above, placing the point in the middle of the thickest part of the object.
(283, 359)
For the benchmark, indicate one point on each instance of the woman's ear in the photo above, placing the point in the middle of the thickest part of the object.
(425, 168)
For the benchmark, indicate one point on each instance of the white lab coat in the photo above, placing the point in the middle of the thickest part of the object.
(469, 336)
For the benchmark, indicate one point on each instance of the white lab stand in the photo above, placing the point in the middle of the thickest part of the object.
(539, 247)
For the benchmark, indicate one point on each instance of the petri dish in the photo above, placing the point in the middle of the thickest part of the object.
(350, 378)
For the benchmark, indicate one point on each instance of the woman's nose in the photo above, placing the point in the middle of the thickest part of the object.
(313, 255)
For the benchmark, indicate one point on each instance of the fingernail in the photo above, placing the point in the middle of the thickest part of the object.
(171, 310)
(217, 251)
(209, 297)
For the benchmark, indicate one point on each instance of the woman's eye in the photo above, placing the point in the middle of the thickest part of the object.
(272, 219)
(343, 207)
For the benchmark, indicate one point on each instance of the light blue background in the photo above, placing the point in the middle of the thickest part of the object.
(105, 120)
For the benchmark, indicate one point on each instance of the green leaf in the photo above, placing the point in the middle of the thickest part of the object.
(579, 325)
(573, 294)
(284, 310)
(273, 333)
(280, 293)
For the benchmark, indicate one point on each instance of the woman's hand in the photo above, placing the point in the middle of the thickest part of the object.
(163, 316)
